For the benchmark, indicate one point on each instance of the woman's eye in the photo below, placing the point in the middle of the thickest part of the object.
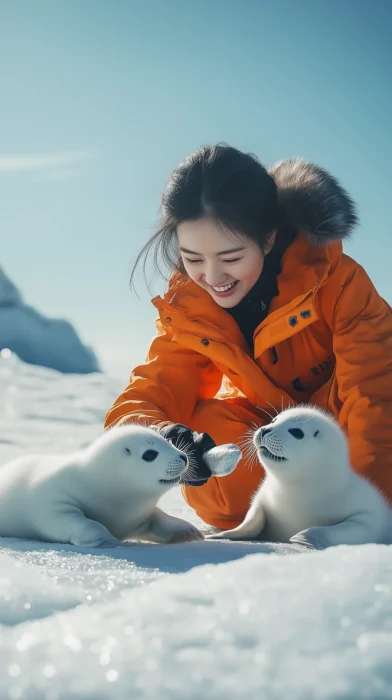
(194, 262)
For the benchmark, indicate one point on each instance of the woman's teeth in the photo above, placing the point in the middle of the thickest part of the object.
(225, 288)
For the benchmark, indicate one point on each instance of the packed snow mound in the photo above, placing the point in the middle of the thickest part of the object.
(38, 340)
(308, 626)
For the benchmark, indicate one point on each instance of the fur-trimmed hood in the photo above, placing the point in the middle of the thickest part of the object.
(313, 201)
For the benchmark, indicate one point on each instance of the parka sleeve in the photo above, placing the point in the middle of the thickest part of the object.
(166, 388)
(362, 342)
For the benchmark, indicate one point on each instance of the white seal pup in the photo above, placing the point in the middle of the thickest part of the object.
(310, 494)
(103, 494)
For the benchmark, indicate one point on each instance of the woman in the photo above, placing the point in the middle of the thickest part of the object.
(263, 309)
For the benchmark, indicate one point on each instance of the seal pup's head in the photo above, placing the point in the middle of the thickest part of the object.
(133, 458)
(301, 442)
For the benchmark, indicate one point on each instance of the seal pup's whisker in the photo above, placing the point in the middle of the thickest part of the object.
(247, 455)
(136, 420)
(272, 406)
(247, 449)
(192, 470)
(249, 452)
(190, 473)
(247, 437)
(183, 447)
(250, 462)
(250, 458)
(246, 440)
(154, 425)
(264, 411)
(192, 467)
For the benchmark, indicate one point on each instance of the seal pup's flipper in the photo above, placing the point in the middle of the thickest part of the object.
(249, 529)
(347, 532)
(166, 529)
(223, 459)
(88, 533)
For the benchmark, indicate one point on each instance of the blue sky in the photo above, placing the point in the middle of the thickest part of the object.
(100, 100)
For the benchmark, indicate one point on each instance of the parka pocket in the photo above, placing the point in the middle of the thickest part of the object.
(326, 397)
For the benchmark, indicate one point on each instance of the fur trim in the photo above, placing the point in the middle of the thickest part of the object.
(313, 201)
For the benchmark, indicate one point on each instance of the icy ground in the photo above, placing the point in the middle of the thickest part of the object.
(203, 621)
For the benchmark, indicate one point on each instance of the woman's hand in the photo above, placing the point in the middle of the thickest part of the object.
(194, 445)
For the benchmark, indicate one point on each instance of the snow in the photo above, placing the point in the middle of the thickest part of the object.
(47, 342)
(207, 620)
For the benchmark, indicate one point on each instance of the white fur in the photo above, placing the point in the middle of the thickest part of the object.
(313, 496)
(98, 496)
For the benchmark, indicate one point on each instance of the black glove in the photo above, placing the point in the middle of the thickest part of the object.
(194, 445)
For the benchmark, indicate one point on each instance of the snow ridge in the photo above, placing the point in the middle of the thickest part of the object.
(39, 340)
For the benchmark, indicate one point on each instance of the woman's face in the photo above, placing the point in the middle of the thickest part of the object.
(226, 265)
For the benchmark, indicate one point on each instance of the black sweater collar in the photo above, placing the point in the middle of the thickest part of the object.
(254, 307)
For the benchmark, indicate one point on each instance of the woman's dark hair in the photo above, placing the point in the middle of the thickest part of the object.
(221, 182)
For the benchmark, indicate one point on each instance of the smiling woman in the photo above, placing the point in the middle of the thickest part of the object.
(228, 265)
(261, 299)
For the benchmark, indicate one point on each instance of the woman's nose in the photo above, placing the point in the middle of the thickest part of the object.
(213, 274)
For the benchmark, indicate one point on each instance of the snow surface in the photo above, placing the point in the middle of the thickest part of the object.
(48, 342)
(200, 621)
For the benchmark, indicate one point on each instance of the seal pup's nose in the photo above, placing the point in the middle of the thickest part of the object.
(265, 431)
(259, 435)
(184, 458)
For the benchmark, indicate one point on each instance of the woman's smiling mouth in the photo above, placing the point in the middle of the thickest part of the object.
(225, 289)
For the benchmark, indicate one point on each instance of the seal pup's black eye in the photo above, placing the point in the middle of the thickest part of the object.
(297, 433)
(149, 455)
(127, 450)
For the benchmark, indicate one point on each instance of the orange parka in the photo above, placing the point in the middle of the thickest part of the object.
(327, 340)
